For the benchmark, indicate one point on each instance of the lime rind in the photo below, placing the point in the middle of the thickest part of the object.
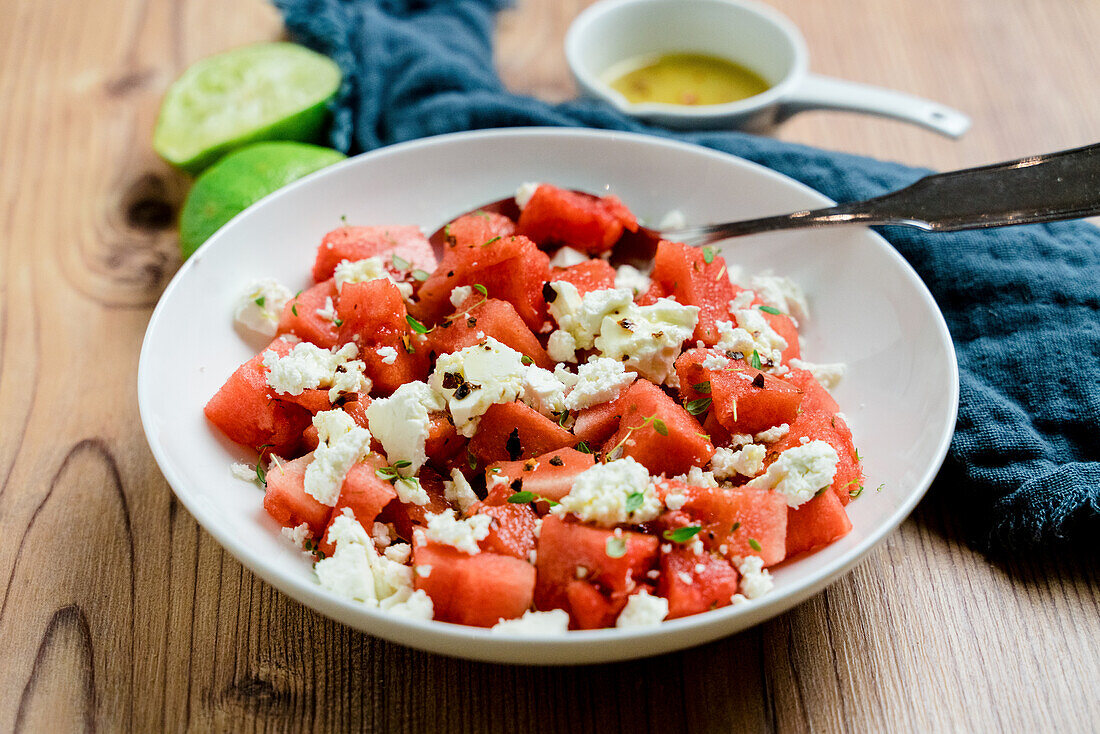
(265, 91)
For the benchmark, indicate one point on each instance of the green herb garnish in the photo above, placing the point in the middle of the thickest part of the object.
(697, 407)
(754, 544)
(772, 311)
(708, 255)
(522, 498)
(400, 263)
(421, 275)
(703, 387)
(754, 360)
(416, 326)
(615, 547)
(489, 242)
(682, 535)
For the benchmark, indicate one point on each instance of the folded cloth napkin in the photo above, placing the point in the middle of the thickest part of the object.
(1022, 304)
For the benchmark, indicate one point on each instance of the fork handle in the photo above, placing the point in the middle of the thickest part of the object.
(1044, 188)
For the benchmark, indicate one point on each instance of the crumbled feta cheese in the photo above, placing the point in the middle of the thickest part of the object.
(737, 339)
(642, 610)
(423, 570)
(685, 577)
(673, 380)
(260, 307)
(700, 568)
(362, 271)
(477, 377)
(244, 472)
(829, 375)
(782, 294)
(629, 277)
(524, 193)
(742, 301)
(447, 529)
(697, 547)
(399, 552)
(567, 378)
(773, 434)
(715, 362)
(755, 579)
(740, 439)
(554, 622)
(309, 367)
(388, 354)
(458, 490)
(341, 443)
(647, 339)
(328, 311)
(543, 391)
(598, 381)
(763, 334)
(583, 317)
(674, 219)
(567, 257)
(380, 533)
(747, 461)
(800, 472)
(356, 571)
(601, 494)
(460, 294)
(696, 477)
(296, 535)
(675, 499)
(561, 346)
(495, 480)
(402, 423)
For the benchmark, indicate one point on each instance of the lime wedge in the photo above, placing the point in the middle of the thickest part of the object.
(239, 180)
(266, 91)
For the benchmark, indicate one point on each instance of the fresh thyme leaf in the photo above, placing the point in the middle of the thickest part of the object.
(400, 263)
(416, 326)
(294, 308)
(682, 535)
(708, 255)
(697, 407)
(754, 360)
(481, 289)
(471, 459)
(703, 387)
(489, 242)
(660, 427)
(522, 498)
(260, 473)
(386, 472)
(260, 301)
(401, 464)
(735, 527)
(526, 360)
(771, 310)
(634, 500)
(754, 544)
(338, 323)
(615, 547)
(421, 275)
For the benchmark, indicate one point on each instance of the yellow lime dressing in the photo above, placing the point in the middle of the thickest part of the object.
(684, 79)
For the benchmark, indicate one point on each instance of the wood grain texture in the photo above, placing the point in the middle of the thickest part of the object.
(118, 613)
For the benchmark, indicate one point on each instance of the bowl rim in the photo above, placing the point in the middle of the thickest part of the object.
(480, 643)
(575, 40)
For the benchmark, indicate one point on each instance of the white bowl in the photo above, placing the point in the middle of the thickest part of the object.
(869, 309)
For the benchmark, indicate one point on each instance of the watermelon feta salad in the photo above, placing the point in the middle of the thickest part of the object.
(522, 437)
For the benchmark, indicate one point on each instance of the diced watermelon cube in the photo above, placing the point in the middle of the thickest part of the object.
(512, 532)
(820, 425)
(671, 451)
(582, 221)
(744, 400)
(480, 317)
(588, 608)
(286, 499)
(683, 273)
(358, 243)
(443, 441)
(478, 590)
(364, 492)
(406, 515)
(513, 431)
(568, 552)
(300, 315)
(550, 475)
(596, 424)
(746, 521)
(785, 327)
(246, 411)
(691, 589)
(511, 268)
(816, 524)
(312, 400)
(374, 317)
(591, 275)
(474, 230)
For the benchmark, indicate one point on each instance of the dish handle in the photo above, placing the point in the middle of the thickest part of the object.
(818, 92)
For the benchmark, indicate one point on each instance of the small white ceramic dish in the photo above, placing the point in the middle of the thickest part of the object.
(869, 309)
(756, 36)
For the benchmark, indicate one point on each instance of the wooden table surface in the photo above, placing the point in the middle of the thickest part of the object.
(119, 613)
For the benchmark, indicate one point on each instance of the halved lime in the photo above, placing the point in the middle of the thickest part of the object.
(266, 91)
(242, 178)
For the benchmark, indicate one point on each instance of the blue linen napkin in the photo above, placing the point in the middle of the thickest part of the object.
(1022, 304)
